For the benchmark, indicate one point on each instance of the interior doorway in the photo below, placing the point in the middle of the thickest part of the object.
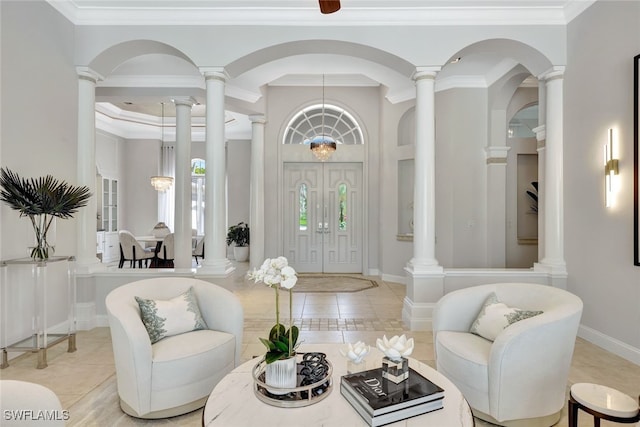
(323, 217)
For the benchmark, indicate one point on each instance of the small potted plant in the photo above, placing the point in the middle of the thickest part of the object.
(239, 234)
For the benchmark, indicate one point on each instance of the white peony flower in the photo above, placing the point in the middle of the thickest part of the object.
(356, 352)
(395, 348)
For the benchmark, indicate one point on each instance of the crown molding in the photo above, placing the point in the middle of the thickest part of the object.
(290, 13)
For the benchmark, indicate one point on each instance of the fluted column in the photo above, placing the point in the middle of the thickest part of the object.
(256, 219)
(553, 260)
(86, 168)
(215, 262)
(182, 229)
(425, 278)
(541, 136)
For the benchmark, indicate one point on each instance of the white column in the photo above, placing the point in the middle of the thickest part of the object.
(553, 260)
(425, 281)
(424, 231)
(86, 169)
(215, 263)
(182, 229)
(541, 136)
(256, 219)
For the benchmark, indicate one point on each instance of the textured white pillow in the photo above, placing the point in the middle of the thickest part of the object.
(172, 317)
(495, 316)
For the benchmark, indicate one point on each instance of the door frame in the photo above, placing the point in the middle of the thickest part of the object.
(344, 154)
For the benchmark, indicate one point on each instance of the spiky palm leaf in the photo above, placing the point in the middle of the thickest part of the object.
(44, 195)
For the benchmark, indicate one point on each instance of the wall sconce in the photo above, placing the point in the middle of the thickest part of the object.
(610, 171)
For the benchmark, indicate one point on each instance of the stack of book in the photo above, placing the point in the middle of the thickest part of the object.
(380, 401)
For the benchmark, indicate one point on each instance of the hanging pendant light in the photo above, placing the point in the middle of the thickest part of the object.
(323, 146)
(162, 183)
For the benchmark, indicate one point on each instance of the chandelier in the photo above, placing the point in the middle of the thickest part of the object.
(323, 146)
(162, 183)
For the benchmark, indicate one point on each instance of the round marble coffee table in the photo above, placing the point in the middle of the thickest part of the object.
(233, 402)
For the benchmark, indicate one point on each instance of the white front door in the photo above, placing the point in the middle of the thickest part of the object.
(323, 217)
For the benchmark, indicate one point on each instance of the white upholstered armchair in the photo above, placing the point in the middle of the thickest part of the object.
(519, 379)
(176, 374)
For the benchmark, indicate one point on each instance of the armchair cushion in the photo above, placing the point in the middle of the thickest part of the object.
(165, 318)
(495, 316)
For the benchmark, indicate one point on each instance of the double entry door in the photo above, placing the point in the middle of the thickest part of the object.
(323, 217)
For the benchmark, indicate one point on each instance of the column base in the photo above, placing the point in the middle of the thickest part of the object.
(215, 268)
(557, 272)
(89, 266)
(425, 286)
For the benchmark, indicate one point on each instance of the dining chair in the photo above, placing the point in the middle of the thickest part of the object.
(131, 250)
(198, 251)
(165, 255)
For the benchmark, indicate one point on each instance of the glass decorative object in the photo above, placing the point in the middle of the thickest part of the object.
(395, 370)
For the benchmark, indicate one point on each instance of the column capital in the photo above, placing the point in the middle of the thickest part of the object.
(497, 154)
(555, 72)
(257, 118)
(87, 73)
(426, 73)
(216, 73)
(541, 133)
(189, 101)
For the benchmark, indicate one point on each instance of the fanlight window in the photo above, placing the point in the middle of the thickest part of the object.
(336, 123)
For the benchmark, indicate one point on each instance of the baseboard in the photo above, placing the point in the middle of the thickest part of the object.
(395, 279)
(102, 321)
(610, 344)
(85, 316)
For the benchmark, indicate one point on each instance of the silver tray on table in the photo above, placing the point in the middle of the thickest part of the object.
(304, 394)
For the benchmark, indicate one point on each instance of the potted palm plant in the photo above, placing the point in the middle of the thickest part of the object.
(239, 234)
(42, 200)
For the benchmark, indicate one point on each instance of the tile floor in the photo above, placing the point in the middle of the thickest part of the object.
(85, 380)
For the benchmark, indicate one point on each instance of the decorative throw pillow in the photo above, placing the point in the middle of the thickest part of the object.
(171, 317)
(495, 316)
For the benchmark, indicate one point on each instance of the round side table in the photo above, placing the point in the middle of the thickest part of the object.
(603, 403)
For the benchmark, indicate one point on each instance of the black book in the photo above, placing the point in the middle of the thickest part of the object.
(377, 395)
(389, 417)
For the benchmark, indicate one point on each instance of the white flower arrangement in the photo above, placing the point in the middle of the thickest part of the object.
(356, 352)
(276, 273)
(395, 348)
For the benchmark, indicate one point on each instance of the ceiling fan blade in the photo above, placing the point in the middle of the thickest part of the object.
(329, 6)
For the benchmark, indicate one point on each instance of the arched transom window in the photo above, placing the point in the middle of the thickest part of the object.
(338, 124)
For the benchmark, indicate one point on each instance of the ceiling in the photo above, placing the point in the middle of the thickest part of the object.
(302, 70)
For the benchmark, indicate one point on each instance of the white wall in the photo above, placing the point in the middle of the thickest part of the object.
(39, 100)
(461, 137)
(139, 209)
(598, 94)
(238, 181)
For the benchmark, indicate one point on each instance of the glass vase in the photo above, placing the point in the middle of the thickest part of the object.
(395, 370)
(44, 229)
(282, 375)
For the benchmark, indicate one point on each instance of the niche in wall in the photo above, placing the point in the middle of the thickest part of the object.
(527, 206)
(405, 198)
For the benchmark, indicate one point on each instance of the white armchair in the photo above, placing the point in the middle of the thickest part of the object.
(176, 374)
(520, 379)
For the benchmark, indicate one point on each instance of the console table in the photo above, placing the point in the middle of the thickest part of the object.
(232, 402)
(38, 300)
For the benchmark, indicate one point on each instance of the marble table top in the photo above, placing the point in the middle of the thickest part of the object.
(605, 400)
(233, 403)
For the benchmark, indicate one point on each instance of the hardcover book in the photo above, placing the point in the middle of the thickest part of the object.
(378, 396)
(389, 417)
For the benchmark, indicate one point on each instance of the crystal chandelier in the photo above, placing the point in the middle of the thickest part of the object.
(162, 183)
(323, 146)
